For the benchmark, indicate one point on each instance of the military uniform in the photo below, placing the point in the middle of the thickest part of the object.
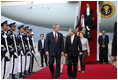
(21, 52)
(32, 51)
(28, 51)
(5, 53)
(14, 57)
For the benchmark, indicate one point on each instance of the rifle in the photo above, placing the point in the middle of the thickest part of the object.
(6, 43)
(22, 44)
(31, 51)
(16, 54)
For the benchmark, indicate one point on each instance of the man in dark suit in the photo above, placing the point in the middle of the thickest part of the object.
(54, 49)
(103, 49)
(82, 23)
(41, 49)
(71, 50)
(114, 44)
(88, 13)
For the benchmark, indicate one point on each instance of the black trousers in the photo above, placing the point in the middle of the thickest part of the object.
(4, 69)
(89, 21)
(43, 56)
(103, 56)
(83, 60)
(31, 63)
(72, 60)
(51, 66)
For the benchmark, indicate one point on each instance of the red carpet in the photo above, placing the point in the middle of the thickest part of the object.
(93, 42)
(93, 71)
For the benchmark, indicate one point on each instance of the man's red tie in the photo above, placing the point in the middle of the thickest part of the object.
(82, 23)
(55, 37)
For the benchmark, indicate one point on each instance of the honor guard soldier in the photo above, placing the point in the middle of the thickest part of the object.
(14, 44)
(28, 50)
(32, 50)
(5, 54)
(21, 51)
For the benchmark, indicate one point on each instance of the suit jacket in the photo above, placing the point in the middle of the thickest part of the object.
(106, 42)
(114, 43)
(91, 12)
(40, 45)
(52, 47)
(79, 24)
(72, 49)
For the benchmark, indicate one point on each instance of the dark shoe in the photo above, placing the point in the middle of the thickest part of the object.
(107, 62)
(42, 66)
(101, 62)
(56, 77)
(26, 73)
(13, 76)
(74, 77)
(61, 72)
(52, 76)
(21, 75)
(69, 77)
(32, 72)
(29, 71)
(46, 64)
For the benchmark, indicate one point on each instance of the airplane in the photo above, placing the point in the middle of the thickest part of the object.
(45, 14)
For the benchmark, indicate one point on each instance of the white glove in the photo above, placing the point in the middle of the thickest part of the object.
(87, 28)
(32, 52)
(29, 52)
(15, 54)
(7, 55)
(21, 53)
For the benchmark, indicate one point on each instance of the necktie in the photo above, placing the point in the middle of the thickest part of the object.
(103, 38)
(55, 37)
(82, 23)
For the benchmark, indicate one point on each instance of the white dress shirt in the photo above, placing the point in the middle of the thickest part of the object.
(82, 19)
(5, 32)
(88, 11)
(42, 41)
(72, 38)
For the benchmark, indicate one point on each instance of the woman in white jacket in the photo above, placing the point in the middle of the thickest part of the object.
(85, 48)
